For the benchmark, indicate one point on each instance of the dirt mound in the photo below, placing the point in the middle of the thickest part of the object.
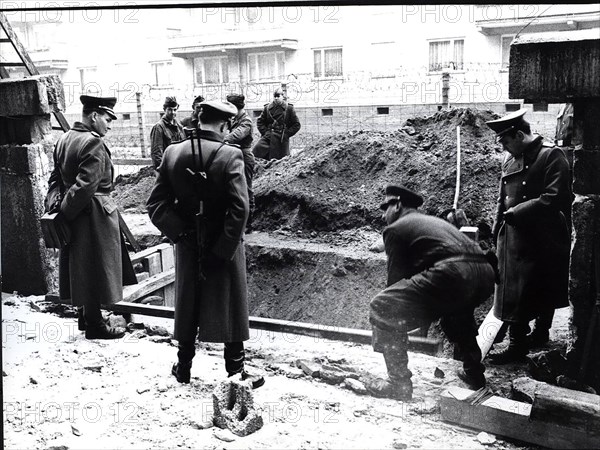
(338, 183)
(132, 191)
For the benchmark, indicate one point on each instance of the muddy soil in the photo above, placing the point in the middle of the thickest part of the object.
(337, 184)
(328, 195)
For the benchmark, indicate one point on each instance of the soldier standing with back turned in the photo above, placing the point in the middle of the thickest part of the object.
(210, 276)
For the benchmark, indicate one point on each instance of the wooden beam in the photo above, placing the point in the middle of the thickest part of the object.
(149, 285)
(415, 343)
(141, 255)
(132, 161)
(128, 234)
(511, 419)
(20, 49)
(566, 407)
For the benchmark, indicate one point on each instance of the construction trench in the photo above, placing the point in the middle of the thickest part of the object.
(312, 270)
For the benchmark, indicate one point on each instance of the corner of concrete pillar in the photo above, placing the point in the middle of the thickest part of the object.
(25, 160)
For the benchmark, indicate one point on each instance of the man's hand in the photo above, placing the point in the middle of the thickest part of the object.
(509, 216)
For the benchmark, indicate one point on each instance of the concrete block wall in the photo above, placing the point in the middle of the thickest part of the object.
(26, 144)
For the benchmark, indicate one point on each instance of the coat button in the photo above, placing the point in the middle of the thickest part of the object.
(524, 197)
(524, 182)
(505, 182)
(527, 167)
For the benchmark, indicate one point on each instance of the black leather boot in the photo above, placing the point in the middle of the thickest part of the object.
(185, 354)
(235, 357)
(473, 369)
(516, 352)
(399, 385)
(182, 371)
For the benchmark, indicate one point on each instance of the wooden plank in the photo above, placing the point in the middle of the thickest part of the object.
(142, 254)
(148, 286)
(511, 419)
(415, 343)
(168, 262)
(128, 235)
(488, 330)
(20, 49)
(154, 264)
(132, 161)
(566, 407)
(165, 312)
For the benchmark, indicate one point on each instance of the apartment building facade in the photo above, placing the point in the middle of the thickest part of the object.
(358, 60)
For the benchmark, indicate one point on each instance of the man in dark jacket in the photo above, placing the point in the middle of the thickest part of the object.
(532, 232)
(241, 134)
(277, 123)
(210, 279)
(434, 271)
(95, 264)
(165, 131)
(192, 120)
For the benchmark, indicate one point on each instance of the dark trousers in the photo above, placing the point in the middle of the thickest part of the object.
(233, 354)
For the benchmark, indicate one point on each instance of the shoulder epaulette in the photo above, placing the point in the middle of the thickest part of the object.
(234, 145)
(95, 134)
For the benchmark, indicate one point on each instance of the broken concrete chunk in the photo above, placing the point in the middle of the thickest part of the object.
(486, 438)
(234, 408)
(333, 376)
(157, 330)
(310, 368)
(355, 386)
(438, 373)
(160, 339)
(204, 425)
(224, 435)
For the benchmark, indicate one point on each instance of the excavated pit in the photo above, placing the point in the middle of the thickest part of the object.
(317, 211)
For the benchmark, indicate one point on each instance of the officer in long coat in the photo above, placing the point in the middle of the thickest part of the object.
(277, 123)
(95, 264)
(434, 271)
(532, 231)
(210, 261)
(241, 134)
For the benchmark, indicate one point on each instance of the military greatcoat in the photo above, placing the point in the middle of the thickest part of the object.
(533, 252)
(218, 305)
(276, 124)
(95, 265)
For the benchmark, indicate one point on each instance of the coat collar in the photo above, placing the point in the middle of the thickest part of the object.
(210, 135)
(514, 165)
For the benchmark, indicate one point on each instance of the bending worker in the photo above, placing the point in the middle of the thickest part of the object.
(434, 271)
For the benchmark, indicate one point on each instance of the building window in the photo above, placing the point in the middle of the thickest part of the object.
(448, 54)
(266, 66)
(126, 116)
(328, 62)
(211, 70)
(383, 110)
(505, 42)
(327, 111)
(161, 73)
